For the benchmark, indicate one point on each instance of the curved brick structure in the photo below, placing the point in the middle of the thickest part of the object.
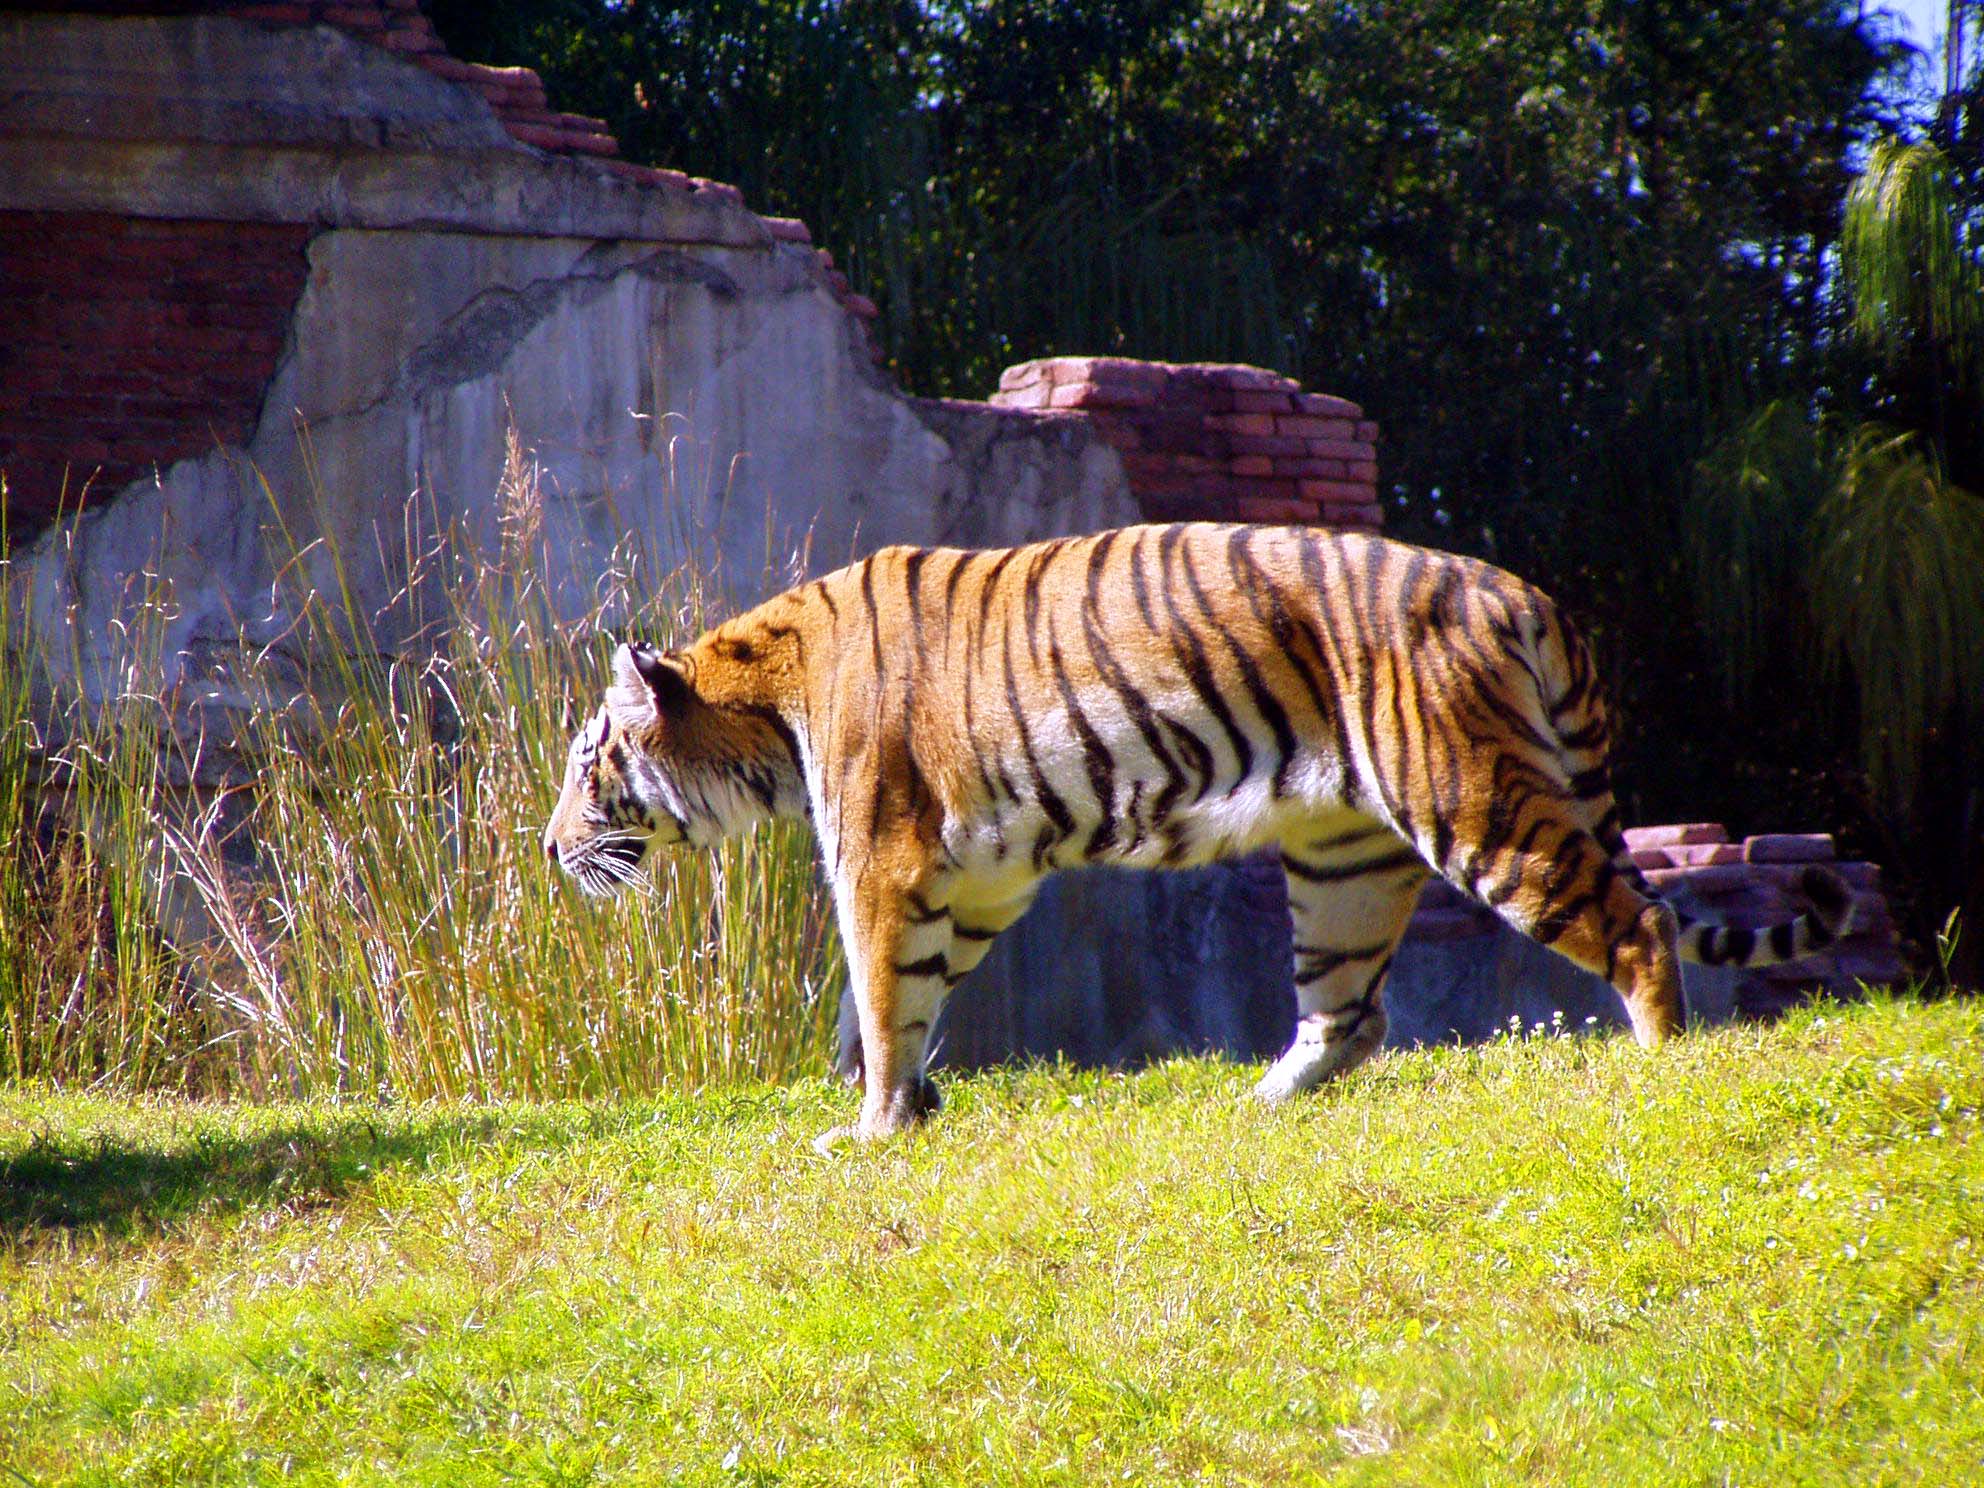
(1215, 441)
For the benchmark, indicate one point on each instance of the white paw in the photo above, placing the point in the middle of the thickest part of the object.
(1275, 1088)
(827, 1142)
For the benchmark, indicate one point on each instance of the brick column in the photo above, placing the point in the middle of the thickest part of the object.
(1214, 441)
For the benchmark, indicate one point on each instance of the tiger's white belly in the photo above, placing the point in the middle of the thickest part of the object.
(1013, 843)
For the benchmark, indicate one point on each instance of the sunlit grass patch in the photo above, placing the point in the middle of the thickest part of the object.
(1750, 1257)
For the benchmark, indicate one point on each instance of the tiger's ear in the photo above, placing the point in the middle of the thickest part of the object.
(648, 680)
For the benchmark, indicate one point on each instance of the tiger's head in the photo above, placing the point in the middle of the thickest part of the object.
(660, 764)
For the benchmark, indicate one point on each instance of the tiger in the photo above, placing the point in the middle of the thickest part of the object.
(958, 724)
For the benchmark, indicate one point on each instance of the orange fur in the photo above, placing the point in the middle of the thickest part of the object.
(959, 724)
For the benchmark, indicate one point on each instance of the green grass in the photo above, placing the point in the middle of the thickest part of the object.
(1750, 1258)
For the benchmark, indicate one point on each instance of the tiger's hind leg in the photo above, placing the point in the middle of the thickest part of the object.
(1565, 892)
(1350, 894)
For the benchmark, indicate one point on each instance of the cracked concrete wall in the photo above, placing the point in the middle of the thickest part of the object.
(714, 403)
(680, 372)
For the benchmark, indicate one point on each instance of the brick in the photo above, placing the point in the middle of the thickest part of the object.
(1237, 376)
(1252, 424)
(1118, 432)
(1022, 374)
(1349, 493)
(788, 229)
(1163, 430)
(561, 140)
(1342, 449)
(1650, 857)
(1121, 371)
(452, 68)
(1097, 395)
(721, 190)
(1268, 444)
(1274, 509)
(1721, 878)
(516, 77)
(360, 17)
(1254, 465)
(1682, 832)
(1362, 470)
(861, 306)
(583, 123)
(1368, 515)
(1142, 466)
(1251, 402)
(1326, 405)
(411, 41)
(1300, 466)
(1366, 431)
(1022, 397)
(1703, 854)
(1790, 847)
(647, 175)
(1314, 428)
(281, 15)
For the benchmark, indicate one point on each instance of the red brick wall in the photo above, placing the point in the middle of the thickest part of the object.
(1212, 441)
(130, 342)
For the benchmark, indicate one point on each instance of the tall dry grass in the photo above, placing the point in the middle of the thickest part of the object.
(339, 890)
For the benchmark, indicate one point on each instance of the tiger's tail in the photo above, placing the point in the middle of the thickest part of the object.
(1584, 734)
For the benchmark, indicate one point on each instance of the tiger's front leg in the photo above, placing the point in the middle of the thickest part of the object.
(901, 968)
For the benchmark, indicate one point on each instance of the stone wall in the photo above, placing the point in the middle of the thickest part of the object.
(1229, 443)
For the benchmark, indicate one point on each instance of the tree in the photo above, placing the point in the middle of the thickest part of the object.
(1855, 518)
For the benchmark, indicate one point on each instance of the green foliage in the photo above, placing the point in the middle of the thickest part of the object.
(1752, 1257)
(993, 175)
(1897, 582)
(1910, 279)
(1751, 506)
(362, 908)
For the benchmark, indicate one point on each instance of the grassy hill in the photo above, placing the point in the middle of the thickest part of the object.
(1752, 1258)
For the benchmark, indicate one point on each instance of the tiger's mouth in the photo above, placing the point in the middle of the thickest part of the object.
(607, 864)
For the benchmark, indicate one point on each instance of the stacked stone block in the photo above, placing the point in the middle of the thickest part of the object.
(1216, 441)
(1751, 883)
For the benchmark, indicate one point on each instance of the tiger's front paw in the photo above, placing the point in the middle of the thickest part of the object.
(827, 1142)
